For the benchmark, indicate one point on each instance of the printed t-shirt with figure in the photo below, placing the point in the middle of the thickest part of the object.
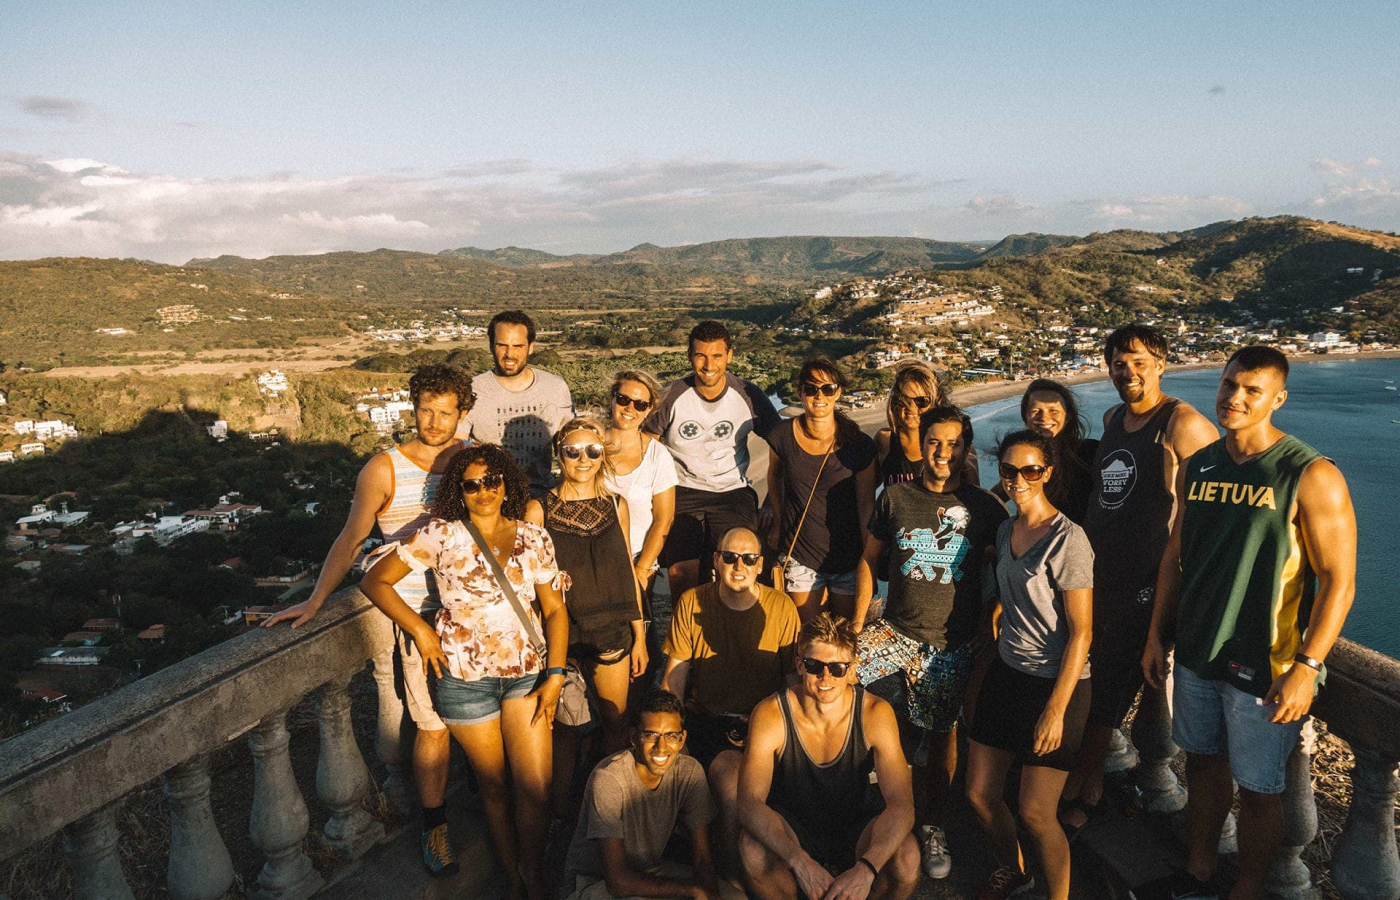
(936, 542)
(523, 422)
(1246, 588)
(481, 635)
(617, 805)
(737, 657)
(655, 474)
(709, 439)
(1034, 631)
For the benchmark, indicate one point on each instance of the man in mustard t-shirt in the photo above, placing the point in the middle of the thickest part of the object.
(732, 643)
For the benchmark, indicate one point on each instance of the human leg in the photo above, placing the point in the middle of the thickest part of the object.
(1039, 798)
(723, 776)
(898, 877)
(986, 782)
(1260, 832)
(612, 680)
(485, 750)
(767, 876)
(528, 748)
(1198, 727)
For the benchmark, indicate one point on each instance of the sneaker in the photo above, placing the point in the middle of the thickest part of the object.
(937, 862)
(437, 853)
(1006, 882)
(1185, 886)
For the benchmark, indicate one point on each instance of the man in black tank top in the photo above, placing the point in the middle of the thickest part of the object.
(1145, 439)
(811, 819)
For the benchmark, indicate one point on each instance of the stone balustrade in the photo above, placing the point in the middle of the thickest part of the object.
(68, 773)
(1360, 704)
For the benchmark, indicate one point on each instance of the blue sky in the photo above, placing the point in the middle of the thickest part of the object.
(167, 131)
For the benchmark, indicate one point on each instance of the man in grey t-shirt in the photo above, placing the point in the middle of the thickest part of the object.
(634, 801)
(518, 406)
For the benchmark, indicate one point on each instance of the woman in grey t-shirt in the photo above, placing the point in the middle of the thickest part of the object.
(1034, 700)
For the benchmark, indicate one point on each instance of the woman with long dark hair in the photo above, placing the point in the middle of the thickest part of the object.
(1050, 409)
(821, 490)
(495, 691)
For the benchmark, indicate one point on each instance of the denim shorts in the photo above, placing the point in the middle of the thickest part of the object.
(473, 702)
(797, 577)
(1214, 717)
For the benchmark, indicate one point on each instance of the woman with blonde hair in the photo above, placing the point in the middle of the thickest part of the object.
(588, 525)
(640, 469)
(916, 389)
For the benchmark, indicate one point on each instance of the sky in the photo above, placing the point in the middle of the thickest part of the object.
(168, 131)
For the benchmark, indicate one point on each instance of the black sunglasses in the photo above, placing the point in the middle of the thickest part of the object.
(920, 403)
(638, 405)
(485, 482)
(730, 557)
(1030, 473)
(827, 389)
(576, 451)
(815, 667)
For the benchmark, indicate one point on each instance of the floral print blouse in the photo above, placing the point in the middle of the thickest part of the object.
(481, 635)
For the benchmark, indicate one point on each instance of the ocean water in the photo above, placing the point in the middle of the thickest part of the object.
(1347, 410)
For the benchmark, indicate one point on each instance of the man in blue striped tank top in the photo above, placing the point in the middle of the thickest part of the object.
(395, 490)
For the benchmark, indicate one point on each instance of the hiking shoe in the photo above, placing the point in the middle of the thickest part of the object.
(937, 862)
(438, 857)
(1185, 886)
(1006, 882)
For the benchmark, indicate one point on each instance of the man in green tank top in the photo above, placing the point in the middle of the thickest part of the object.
(1255, 584)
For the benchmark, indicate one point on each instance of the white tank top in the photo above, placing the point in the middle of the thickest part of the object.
(406, 511)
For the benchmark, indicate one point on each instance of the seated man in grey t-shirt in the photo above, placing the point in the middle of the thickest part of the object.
(634, 801)
(518, 405)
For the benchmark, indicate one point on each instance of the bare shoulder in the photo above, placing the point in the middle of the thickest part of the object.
(879, 718)
(534, 512)
(377, 476)
(1323, 486)
(882, 439)
(1109, 413)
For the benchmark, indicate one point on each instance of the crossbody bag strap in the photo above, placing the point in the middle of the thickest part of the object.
(503, 582)
(808, 505)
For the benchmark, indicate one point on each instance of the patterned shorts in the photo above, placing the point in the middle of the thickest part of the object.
(934, 680)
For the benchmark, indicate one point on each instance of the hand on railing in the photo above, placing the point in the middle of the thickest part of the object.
(298, 614)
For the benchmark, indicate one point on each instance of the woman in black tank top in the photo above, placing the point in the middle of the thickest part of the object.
(917, 387)
(588, 525)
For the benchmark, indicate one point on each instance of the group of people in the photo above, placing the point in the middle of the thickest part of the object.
(801, 733)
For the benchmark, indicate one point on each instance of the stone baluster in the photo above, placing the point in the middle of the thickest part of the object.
(1365, 864)
(1152, 735)
(342, 779)
(1289, 876)
(1122, 755)
(279, 820)
(389, 740)
(90, 844)
(200, 868)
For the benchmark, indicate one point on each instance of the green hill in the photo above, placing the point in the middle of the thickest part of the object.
(802, 258)
(520, 257)
(1027, 244)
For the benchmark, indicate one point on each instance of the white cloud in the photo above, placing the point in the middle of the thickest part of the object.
(54, 107)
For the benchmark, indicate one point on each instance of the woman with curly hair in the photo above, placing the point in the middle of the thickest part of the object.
(607, 640)
(916, 389)
(494, 691)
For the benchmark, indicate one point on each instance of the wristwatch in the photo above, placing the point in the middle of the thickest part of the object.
(1308, 661)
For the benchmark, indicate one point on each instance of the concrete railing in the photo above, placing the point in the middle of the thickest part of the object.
(1360, 704)
(67, 773)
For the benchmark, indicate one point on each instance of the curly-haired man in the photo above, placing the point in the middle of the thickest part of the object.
(395, 490)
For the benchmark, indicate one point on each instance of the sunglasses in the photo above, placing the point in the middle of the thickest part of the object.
(638, 405)
(731, 558)
(811, 389)
(576, 451)
(671, 738)
(1030, 473)
(486, 482)
(919, 403)
(815, 667)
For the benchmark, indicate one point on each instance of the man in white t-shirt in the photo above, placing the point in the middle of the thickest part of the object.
(705, 420)
(518, 406)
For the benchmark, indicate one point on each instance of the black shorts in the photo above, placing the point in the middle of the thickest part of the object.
(832, 842)
(708, 735)
(702, 518)
(1008, 707)
(1116, 677)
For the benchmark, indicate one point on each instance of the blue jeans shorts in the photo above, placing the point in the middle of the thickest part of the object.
(797, 577)
(473, 702)
(1210, 718)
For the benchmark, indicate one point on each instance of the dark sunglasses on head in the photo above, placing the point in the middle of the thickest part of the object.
(576, 451)
(815, 667)
(638, 405)
(730, 557)
(919, 403)
(811, 389)
(1030, 473)
(486, 482)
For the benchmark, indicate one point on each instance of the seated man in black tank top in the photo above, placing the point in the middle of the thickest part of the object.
(812, 820)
